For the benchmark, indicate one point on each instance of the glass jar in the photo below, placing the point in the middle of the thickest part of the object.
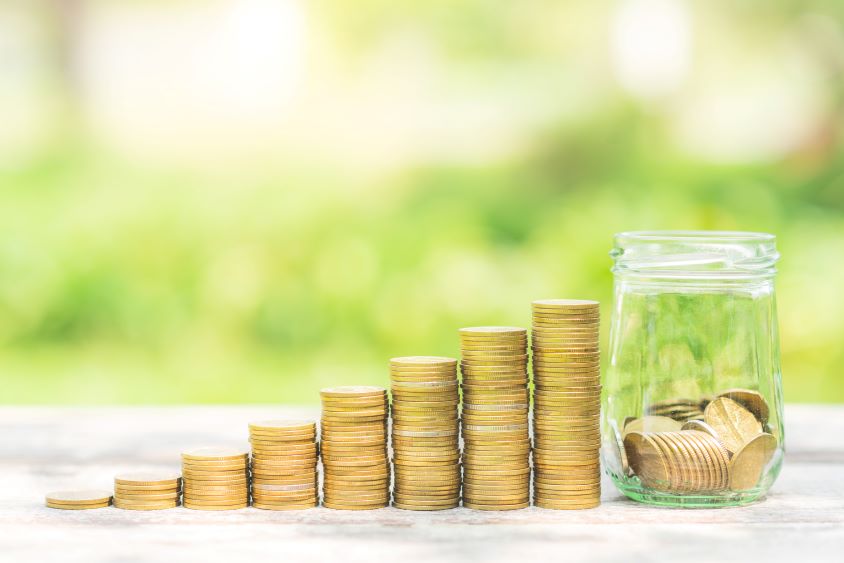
(692, 410)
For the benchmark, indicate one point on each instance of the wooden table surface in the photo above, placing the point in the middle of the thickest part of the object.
(46, 448)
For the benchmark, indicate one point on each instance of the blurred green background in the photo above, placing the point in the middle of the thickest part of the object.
(247, 200)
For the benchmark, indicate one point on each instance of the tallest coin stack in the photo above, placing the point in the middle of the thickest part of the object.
(567, 403)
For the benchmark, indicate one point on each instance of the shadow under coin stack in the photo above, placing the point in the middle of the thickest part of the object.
(426, 449)
(566, 403)
(353, 444)
(284, 464)
(146, 490)
(215, 478)
(496, 448)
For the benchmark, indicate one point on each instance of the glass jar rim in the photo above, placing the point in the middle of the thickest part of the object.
(711, 255)
(699, 236)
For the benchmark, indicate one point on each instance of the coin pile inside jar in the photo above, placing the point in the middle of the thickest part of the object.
(426, 450)
(147, 490)
(726, 448)
(354, 448)
(567, 403)
(215, 478)
(496, 451)
(284, 464)
(78, 499)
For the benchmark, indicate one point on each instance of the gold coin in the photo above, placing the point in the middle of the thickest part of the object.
(492, 330)
(494, 506)
(208, 501)
(425, 507)
(222, 475)
(269, 506)
(427, 500)
(646, 460)
(212, 453)
(155, 489)
(707, 467)
(195, 506)
(64, 506)
(162, 496)
(422, 361)
(149, 478)
(749, 461)
(135, 506)
(564, 304)
(369, 401)
(350, 391)
(284, 425)
(734, 424)
(556, 505)
(345, 506)
(224, 469)
(751, 400)
(79, 497)
(235, 481)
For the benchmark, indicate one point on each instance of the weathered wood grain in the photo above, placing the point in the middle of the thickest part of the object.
(43, 449)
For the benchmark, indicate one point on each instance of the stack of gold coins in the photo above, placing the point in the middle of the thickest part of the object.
(78, 500)
(496, 450)
(284, 464)
(566, 403)
(353, 447)
(425, 432)
(215, 478)
(147, 490)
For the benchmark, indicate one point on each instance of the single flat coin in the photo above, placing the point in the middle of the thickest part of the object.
(148, 478)
(62, 506)
(213, 453)
(422, 361)
(493, 331)
(348, 391)
(79, 497)
(285, 506)
(194, 506)
(284, 425)
(126, 505)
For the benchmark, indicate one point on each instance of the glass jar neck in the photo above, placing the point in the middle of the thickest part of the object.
(695, 256)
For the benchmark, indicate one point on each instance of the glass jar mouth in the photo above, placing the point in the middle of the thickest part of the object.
(697, 236)
(695, 254)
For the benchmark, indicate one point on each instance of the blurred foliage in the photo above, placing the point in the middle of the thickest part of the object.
(128, 282)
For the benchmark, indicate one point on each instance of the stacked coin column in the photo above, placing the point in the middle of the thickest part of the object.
(425, 432)
(566, 403)
(356, 470)
(284, 464)
(215, 479)
(147, 490)
(496, 450)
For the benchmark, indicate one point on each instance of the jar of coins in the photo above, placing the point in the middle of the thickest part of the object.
(692, 413)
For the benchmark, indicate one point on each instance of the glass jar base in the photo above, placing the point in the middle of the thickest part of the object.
(711, 500)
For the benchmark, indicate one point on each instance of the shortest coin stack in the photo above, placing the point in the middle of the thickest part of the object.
(147, 490)
(215, 478)
(284, 464)
(78, 500)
